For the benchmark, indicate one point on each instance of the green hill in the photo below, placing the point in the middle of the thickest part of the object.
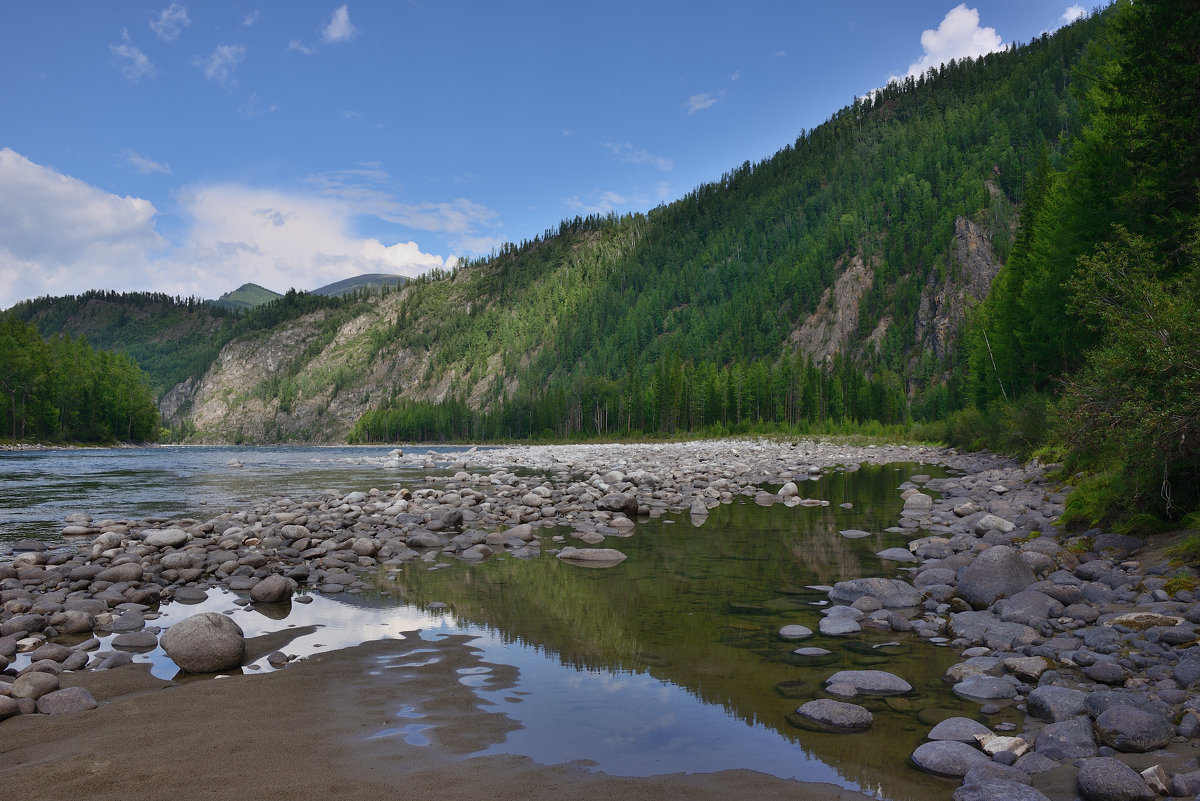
(245, 297)
(367, 281)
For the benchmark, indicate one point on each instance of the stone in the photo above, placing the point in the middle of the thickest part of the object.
(618, 502)
(985, 688)
(1106, 671)
(994, 573)
(66, 701)
(892, 593)
(990, 522)
(1030, 607)
(949, 758)
(1108, 779)
(993, 744)
(1068, 739)
(897, 555)
(129, 571)
(136, 640)
(8, 707)
(795, 632)
(34, 685)
(273, 589)
(591, 557)
(839, 626)
(1054, 704)
(854, 533)
(870, 682)
(1132, 730)
(958, 728)
(205, 643)
(167, 538)
(832, 715)
(992, 789)
(1185, 784)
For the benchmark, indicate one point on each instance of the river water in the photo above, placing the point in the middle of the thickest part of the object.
(668, 662)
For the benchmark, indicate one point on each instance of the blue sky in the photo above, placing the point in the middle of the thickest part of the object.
(190, 147)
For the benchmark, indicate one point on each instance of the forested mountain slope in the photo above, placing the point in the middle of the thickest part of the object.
(827, 282)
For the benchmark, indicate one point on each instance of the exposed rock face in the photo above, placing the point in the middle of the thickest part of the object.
(944, 303)
(828, 330)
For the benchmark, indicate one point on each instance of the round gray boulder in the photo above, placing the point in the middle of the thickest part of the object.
(205, 643)
(830, 715)
(870, 682)
(63, 702)
(1052, 704)
(948, 758)
(1108, 779)
(996, 573)
(273, 589)
(892, 593)
(1132, 730)
(958, 728)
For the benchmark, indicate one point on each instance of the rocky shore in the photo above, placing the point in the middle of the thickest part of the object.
(1096, 646)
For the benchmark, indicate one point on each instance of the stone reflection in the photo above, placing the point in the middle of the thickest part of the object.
(702, 607)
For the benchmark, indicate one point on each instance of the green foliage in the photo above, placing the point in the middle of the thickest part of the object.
(61, 390)
(1138, 392)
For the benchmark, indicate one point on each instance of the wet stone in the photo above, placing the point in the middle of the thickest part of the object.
(948, 758)
(958, 728)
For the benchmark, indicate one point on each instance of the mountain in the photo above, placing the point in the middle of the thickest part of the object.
(370, 281)
(828, 282)
(247, 296)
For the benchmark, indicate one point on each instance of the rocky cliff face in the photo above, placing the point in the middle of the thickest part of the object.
(299, 382)
(945, 299)
(832, 327)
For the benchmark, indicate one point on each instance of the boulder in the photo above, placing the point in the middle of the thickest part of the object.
(960, 729)
(205, 643)
(991, 522)
(63, 702)
(618, 502)
(992, 789)
(591, 557)
(870, 682)
(273, 589)
(892, 593)
(1054, 704)
(1068, 739)
(1132, 730)
(129, 571)
(1108, 779)
(34, 685)
(166, 538)
(830, 715)
(997, 572)
(948, 758)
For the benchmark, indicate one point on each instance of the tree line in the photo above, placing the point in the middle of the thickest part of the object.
(62, 390)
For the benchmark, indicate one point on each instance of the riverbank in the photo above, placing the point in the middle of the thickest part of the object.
(1036, 614)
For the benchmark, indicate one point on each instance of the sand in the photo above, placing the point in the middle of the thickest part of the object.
(320, 729)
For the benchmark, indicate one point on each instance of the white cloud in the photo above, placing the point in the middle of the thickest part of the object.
(61, 235)
(221, 64)
(300, 47)
(281, 240)
(958, 36)
(131, 61)
(624, 151)
(170, 22)
(702, 101)
(369, 190)
(144, 165)
(251, 18)
(339, 28)
(1073, 13)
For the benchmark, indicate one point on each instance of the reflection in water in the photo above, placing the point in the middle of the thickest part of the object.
(668, 662)
(693, 615)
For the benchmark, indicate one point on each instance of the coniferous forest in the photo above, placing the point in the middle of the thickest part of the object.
(1065, 167)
